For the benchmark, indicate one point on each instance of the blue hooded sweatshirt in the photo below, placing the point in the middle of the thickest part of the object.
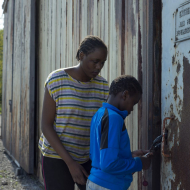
(112, 161)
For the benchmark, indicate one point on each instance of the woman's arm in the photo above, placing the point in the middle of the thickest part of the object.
(48, 116)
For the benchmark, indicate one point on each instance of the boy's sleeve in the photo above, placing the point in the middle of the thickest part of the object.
(109, 148)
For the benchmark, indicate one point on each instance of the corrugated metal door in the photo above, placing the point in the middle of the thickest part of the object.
(175, 169)
(19, 82)
(131, 29)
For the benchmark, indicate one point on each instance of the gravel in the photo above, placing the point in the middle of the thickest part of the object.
(9, 179)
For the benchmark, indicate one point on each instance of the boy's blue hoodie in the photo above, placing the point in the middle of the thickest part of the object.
(112, 161)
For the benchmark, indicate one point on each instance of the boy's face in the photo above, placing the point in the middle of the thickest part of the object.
(127, 101)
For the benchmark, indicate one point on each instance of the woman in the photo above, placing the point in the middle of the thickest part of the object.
(72, 96)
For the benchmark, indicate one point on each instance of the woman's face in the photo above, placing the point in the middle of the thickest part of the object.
(92, 63)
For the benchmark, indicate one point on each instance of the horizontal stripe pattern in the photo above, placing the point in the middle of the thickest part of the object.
(76, 103)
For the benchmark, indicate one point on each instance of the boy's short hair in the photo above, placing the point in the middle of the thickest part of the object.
(125, 82)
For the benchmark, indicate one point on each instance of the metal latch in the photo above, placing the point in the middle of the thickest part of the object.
(165, 136)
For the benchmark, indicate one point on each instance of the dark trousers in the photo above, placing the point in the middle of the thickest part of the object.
(57, 176)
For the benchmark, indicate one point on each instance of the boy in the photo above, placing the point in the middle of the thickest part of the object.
(112, 160)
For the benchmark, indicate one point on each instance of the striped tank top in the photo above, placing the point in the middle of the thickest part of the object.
(76, 103)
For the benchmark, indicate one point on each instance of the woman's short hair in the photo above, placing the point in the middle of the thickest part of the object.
(89, 44)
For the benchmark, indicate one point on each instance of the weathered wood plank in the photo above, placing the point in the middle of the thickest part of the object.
(54, 39)
(84, 19)
(69, 36)
(76, 30)
(105, 34)
(17, 69)
(64, 33)
(95, 18)
(49, 26)
(58, 34)
(7, 67)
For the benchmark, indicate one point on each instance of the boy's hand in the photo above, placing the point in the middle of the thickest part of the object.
(146, 161)
(149, 154)
(138, 153)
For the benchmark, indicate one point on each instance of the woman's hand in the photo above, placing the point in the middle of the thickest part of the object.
(138, 153)
(78, 173)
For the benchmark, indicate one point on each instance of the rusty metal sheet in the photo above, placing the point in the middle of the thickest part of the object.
(145, 39)
(129, 57)
(175, 100)
(156, 96)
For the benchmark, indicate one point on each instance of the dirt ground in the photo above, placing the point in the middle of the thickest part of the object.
(8, 178)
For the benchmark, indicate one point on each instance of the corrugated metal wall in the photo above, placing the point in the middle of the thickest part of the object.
(126, 26)
(130, 28)
(18, 83)
(63, 24)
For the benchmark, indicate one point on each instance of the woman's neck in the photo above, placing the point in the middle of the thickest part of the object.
(77, 73)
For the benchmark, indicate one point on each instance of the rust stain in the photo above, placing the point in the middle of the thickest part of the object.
(171, 109)
(180, 103)
(181, 149)
(118, 14)
(131, 18)
(120, 27)
(178, 67)
(173, 60)
(175, 88)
